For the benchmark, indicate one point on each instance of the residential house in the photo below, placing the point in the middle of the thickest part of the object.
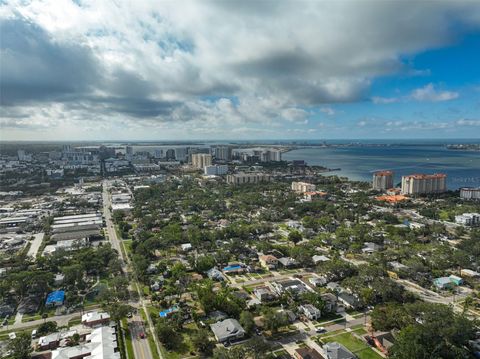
(370, 247)
(334, 350)
(310, 311)
(289, 315)
(55, 298)
(348, 300)
(320, 259)
(469, 273)
(264, 294)
(383, 341)
(334, 287)
(268, 261)
(307, 353)
(317, 281)
(330, 301)
(235, 268)
(294, 286)
(227, 330)
(287, 262)
(444, 283)
(215, 274)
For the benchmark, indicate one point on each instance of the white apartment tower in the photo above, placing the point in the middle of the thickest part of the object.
(424, 184)
(382, 180)
(200, 160)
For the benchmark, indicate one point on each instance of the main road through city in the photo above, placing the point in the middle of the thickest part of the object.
(141, 347)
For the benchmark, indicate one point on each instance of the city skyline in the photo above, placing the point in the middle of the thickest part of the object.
(80, 70)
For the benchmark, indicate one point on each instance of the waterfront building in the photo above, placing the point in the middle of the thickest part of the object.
(382, 180)
(424, 183)
(470, 193)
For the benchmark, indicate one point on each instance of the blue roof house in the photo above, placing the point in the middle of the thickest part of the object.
(455, 279)
(55, 299)
(443, 283)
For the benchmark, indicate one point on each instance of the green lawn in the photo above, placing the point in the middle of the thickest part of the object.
(368, 353)
(128, 339)
(359, 348)
(279, 353)
(186, 347)
(153, 347)
(74, 321)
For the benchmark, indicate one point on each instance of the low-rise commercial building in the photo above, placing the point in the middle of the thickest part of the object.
(468, 219)
(244, 178)
(215, 170)
(100, 344)
(94, 319)
(302, 187)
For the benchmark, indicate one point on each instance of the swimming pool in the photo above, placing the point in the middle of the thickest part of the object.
(166, 312)
(232, 267)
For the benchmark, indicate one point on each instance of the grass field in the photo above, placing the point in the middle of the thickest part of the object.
(128, 339)
(356, 346)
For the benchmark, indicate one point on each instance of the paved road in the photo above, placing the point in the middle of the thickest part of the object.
(138, 346)
(36, 243)
(60, 319)
(141, 348)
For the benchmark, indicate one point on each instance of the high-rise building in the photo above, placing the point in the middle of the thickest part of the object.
(200, 160)
(181, 153)
(158, 153)
(223, 153)
(170, 154)
(424, 184)
(275, 155)
(382, 180)
(129, 153)
(302, 187)
(470, 193)
(21, 155)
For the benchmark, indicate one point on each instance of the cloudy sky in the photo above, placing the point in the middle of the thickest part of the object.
(283, 69)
